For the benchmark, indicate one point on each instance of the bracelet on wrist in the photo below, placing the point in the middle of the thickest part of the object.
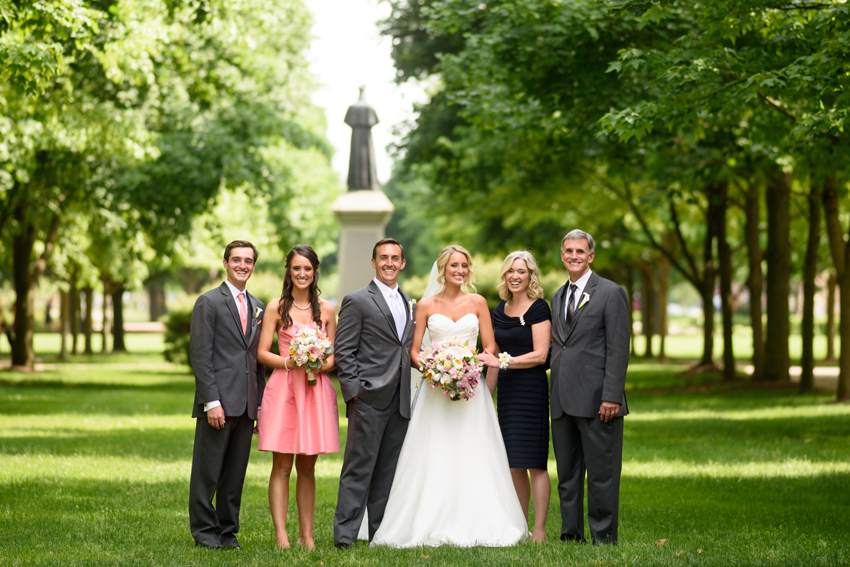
(286, 363)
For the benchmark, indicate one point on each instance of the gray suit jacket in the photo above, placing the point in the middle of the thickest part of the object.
(223, 359)
(370, 358)
(589, 361)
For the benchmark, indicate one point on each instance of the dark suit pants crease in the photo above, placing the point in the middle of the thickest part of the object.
(589, 445)
(219, 462)
(374, 442)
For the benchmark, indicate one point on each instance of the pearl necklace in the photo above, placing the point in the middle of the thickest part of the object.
(301, 308)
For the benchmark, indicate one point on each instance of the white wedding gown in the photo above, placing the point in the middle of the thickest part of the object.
(453, 483)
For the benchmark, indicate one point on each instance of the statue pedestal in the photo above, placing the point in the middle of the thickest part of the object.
(362, 216)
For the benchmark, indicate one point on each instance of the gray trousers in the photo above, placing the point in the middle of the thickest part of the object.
(219, 462)
(374, 442)
(589, 445)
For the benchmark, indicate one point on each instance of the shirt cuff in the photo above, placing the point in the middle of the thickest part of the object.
(210, 405)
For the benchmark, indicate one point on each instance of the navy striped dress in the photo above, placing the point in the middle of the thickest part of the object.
(523, 394)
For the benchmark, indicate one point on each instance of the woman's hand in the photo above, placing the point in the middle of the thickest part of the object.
(489, 359)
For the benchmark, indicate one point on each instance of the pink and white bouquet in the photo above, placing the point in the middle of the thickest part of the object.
(309, 347)
(453, 366)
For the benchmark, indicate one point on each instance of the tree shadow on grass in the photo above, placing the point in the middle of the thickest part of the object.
(819, 439)
(159, 398)
(764, 521)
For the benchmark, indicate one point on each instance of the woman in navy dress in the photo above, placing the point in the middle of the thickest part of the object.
(523, 326)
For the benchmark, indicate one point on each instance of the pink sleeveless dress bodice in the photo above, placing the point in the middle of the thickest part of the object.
(296, 418)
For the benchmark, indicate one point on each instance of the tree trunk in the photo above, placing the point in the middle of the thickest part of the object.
(755, 280)
(75, 308)
(156, 294)
(64, 309)
(23, 353)
(118, 319)
(647, 305)
(810, 269)
(707, 294)
(104, 329)
(840, 251)
(88, 326)
(719, 195)
(663, 299)
(831, 286)
(778, 199)
(630, 290)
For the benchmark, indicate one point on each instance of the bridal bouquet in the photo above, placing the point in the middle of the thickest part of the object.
(452, 366)
(309, 347)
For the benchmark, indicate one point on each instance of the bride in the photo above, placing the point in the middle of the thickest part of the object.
(452, 485)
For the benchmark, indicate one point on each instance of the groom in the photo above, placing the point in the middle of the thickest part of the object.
(228, 389)
(373, 339)
(590, 354)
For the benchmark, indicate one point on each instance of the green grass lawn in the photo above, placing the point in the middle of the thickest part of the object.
(95, 458)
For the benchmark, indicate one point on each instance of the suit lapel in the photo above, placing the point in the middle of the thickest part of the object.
(252, 322)
(408, 321)
(231, 305)
(558, 315)
(379, 300)
(588, 289)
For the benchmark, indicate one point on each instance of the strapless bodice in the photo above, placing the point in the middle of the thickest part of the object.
(464, 329)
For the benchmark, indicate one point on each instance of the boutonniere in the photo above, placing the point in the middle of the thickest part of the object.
(257, 312)
(584, 299)
(410, 305)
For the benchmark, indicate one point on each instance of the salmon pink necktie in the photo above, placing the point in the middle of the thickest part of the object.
(243, 313)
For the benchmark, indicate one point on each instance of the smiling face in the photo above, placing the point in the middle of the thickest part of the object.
(457, 269)
(388, 263)
(302, 273)
(517, 277)
(239, 266)
(576, 258)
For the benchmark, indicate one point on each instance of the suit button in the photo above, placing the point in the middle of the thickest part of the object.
(564, 347)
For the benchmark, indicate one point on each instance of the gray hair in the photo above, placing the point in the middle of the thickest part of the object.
(577, 234)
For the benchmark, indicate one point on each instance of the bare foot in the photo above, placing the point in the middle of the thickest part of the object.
(539, 537)
(308, 543)
(282, 541)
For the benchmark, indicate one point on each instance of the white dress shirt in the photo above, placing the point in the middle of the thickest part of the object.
(235, 292)
(396, 303)
(580, 285)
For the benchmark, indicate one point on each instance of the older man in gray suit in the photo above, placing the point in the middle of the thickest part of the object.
(228, 389)
(373, 340)
(590, 355)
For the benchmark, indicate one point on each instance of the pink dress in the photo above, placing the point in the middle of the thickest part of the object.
(297, 418)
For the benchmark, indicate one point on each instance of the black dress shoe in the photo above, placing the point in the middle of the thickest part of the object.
(343, 545)
(207, 545)
(230, 542)
(573, 538)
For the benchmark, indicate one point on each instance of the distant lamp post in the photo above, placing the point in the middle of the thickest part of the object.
(363, 211)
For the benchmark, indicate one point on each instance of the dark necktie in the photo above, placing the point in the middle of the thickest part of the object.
(571, 305)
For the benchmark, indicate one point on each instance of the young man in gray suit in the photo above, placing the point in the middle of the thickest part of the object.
(228, 390)
(590, 355)
(373, 340)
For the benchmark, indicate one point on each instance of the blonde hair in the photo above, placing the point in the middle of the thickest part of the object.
(533, 291)
(443, 261)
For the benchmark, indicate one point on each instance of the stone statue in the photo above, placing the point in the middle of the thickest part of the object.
(361, 165)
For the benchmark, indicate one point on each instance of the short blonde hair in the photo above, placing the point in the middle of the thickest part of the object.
(534, 291)
(443, 261)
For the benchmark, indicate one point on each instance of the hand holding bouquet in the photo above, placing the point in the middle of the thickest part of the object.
(309, 347)
(453, 366)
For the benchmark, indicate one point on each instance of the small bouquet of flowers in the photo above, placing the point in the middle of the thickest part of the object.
(452, 366)
(309, 347)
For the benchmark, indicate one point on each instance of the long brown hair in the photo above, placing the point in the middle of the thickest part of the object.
(286, 300)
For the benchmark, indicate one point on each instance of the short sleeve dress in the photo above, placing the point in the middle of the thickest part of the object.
(523, 394)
